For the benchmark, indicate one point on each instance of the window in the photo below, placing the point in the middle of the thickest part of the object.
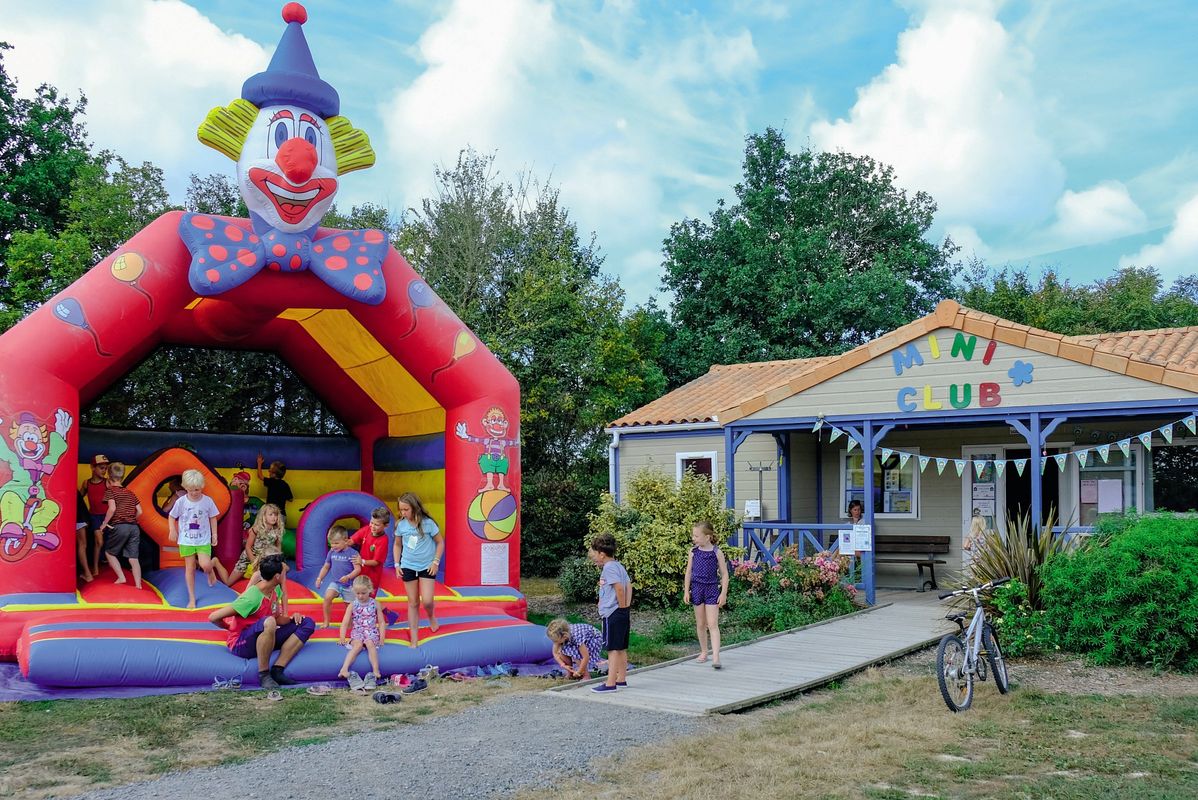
(699, 463)
(895, 489)
(1106, 487)
(1172, 486)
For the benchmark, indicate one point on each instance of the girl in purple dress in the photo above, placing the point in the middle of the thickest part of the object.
(369, 629)
(706, 589)
(576, 647)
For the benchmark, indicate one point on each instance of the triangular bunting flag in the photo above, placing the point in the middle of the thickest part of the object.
(1146, 440)
(979, 467)
(852, 444)
(923, 462)
(940, 465)
(1082, 456)
(819, 423)
(836, 434)
(959, 463)
(1167, 432)
(1125, 446)
(903, 459)
(1061, 458)
(1104, 450)
(1020, 463)
(1191, 422)
(999, 466)
(1043, 463)
(886, 453)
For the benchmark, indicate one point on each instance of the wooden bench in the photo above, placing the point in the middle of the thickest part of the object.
(918, 549)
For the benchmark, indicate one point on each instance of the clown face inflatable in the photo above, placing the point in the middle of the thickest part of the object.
(287, 171)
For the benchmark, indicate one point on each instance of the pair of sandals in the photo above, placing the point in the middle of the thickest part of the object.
(219, 683)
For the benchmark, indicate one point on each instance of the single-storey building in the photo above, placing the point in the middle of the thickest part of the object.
(962, 415)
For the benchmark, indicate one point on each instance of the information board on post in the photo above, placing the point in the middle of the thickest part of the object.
(863, 538)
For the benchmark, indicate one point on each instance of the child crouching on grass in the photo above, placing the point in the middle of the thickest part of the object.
(576, 647)
(369, 630)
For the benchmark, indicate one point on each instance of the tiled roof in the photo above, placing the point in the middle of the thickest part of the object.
(1167, 356)
(724, 386)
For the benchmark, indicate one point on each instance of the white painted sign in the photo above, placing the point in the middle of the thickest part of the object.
(846, 543)
(494, 564)
(752, 509)
(863, 538)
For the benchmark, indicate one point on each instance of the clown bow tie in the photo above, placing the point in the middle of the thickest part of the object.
(224, 256)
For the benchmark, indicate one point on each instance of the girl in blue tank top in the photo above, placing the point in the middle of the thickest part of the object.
(706, 588)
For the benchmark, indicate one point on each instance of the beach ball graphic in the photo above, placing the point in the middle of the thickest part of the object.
(492, 515)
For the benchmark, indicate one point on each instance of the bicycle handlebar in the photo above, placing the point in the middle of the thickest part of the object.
(991, 585)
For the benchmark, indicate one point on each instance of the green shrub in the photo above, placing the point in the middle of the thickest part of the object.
(1131, 594)
(797, 591)
(1022, 629)
(653, 529)
(579, 580)
(676, 625)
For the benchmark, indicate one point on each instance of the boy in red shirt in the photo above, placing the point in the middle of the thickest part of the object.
(372, 545)
(93, 489)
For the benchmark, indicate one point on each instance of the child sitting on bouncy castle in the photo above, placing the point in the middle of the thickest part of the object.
(258, 624)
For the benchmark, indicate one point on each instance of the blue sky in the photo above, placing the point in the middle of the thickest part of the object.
(1050, 133)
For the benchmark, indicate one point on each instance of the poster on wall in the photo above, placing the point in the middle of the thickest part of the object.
(983, 491)
(1090, 491)
(1110, 496)
(986, 509)
(898, 502)
(863, 538)
(494, 567)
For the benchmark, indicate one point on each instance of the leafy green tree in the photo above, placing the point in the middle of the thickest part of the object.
(42, 147)
(1133, 298)
(511, 263)
(820, 252)
(215, 194)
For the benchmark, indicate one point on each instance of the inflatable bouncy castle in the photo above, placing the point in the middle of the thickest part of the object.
(428, 407)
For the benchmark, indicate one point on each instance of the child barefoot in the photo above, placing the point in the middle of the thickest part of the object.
(193, 526)
(575, 647)
(706, 587)
(417, 550)
(265, 536)
(121, 534)
(369, 630)
(340, 568)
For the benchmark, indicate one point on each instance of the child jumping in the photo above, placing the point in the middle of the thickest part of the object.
(369, 630)
(264, 537)
(615, 595)
(119, 526)
(418, 547)
(339, 566)
(193, 526)
(576, 647)
(706, 587)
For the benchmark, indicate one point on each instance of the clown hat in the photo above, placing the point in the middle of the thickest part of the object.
(291, 78)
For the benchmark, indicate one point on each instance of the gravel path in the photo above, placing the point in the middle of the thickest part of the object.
(486, 751)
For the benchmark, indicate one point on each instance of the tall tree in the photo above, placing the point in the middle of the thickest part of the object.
(510, 262)
(820, 252)
(1133, 298)
(42, 147)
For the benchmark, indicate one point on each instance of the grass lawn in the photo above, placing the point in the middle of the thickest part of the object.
(60, 748)
(885, 735)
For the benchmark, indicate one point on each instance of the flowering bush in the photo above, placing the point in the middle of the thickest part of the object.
(794, 591)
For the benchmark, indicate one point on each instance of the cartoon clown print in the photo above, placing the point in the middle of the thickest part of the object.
(494, 461)
(25, 511)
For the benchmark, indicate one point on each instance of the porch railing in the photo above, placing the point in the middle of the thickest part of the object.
(765, 540)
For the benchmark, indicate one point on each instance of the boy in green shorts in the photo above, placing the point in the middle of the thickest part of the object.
(193, 526)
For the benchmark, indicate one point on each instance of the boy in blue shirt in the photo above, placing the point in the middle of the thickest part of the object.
(615, 596)
(341, 570)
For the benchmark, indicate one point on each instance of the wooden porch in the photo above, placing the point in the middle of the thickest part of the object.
(784, 664)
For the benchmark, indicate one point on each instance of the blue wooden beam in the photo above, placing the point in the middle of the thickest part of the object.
(867, 558)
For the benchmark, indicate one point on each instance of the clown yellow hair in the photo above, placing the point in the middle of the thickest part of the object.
(226, 127)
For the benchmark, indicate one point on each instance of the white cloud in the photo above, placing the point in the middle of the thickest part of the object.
(967, 238)
(956, 116)
(1177, 254)
(630, 129)
(1098, 214)
(150, 71)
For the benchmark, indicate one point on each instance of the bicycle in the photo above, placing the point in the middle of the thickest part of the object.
(959, 658)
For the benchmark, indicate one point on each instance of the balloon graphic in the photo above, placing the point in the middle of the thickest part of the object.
(69, 311)
(421, 297)
(463, 345)
(128, 267)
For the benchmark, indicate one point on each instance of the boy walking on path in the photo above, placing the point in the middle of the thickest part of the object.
(615, 596)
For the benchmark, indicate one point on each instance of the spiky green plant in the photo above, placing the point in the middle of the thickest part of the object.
(1018, 554)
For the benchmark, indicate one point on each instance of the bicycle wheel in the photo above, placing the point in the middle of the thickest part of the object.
(998, 665)
(953, 674)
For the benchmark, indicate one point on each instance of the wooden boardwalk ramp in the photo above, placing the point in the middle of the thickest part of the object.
(784, 664)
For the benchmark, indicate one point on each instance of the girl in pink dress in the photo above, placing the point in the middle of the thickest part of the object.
(369, 630)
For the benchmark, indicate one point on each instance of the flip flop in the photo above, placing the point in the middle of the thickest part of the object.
(320, 689)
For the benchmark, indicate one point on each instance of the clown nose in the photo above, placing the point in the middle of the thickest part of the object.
(297, 159)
